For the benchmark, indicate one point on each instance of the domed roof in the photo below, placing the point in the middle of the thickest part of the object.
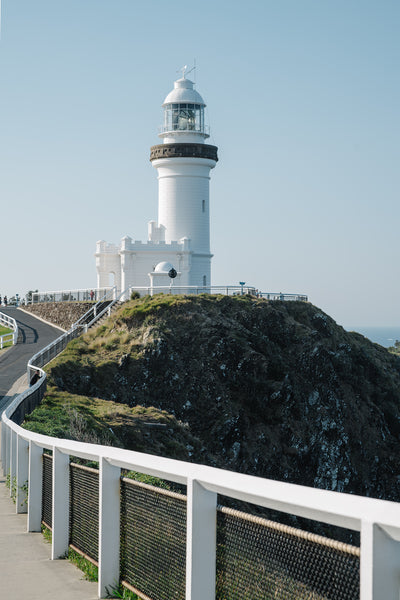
(183, 93)
(163, 267)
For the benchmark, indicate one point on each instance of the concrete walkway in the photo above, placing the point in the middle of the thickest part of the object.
(26, 570)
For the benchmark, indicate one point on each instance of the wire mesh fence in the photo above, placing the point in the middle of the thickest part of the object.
(47, 490)
(84, 510)
(256, 559)
(259, 559)
(153, 540)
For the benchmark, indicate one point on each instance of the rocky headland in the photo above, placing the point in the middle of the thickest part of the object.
(274, 389)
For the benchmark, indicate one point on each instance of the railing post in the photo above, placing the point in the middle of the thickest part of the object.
(60, 504)
(379, 564)
(22, 475)
(200, 542)
(109, 526)
(35, 487)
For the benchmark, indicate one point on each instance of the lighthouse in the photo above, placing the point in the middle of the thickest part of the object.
(180, 238)
(183, 162)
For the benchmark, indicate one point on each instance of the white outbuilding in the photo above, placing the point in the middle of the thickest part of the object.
(180, 238)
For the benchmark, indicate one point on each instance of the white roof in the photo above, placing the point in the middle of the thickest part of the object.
(183, 93)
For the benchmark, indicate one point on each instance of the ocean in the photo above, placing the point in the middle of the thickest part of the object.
(385, 336)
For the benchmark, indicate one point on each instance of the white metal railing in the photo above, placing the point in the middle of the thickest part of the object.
(377, 520)
(78, 295)
(202, 129)
(21, 453)
(226, 290)
(11, 323)
(102, 307)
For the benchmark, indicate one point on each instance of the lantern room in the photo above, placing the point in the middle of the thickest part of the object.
(184, 113)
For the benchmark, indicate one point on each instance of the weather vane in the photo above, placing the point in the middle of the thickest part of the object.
(183, 69)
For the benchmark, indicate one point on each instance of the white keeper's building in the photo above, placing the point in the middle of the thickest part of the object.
(180, 238)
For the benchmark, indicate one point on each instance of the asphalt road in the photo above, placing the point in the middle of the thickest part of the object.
(33, 335)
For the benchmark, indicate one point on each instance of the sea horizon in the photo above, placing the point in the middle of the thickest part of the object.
(385, 336)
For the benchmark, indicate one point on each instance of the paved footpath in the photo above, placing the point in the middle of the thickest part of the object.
(26, 570)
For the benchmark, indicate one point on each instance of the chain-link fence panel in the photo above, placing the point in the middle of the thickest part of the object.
(259, 559)
(84, 510)
(47, 490)
(153, 540)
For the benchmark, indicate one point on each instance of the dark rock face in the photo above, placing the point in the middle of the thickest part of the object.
(274, 389)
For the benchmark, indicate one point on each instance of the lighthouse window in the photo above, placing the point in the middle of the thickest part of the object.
(183, 117)
(203, 206)
(204, 280)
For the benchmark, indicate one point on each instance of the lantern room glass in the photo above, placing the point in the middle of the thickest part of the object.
(184, 117)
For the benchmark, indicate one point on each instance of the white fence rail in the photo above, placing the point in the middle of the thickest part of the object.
(226, 290)
(21, 452)
(11, 323)
(78, 295)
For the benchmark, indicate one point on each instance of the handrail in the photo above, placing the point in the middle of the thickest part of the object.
(11, 323)
(174, 288)
(95, 313)
(81, 294)
(226, 290)
(377, 520)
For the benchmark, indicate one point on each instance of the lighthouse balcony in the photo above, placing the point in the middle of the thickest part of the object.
(165, 130)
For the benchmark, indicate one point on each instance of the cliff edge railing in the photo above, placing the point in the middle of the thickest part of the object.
(173, 288)
(180, 543)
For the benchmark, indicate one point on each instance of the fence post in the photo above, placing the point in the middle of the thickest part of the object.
(109, 526)
(200, 542)
(379, 564)
(60, 504)
(22, 475)
(35, 487)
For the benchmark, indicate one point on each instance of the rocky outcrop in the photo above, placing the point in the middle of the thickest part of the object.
(275, 389)
(62, 314)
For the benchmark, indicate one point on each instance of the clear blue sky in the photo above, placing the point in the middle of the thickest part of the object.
(303, 100)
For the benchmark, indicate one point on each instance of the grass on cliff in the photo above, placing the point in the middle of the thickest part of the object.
(62, 414)
(122, 331)
(96, 421)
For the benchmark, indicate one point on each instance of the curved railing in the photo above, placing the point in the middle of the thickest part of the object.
(22, 450)
(11, 324)
(95, 313)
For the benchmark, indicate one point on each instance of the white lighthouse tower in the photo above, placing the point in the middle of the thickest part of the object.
(183, 162)
(180, 239)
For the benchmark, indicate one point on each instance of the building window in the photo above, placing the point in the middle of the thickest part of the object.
(203, 205)
(204, 277)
